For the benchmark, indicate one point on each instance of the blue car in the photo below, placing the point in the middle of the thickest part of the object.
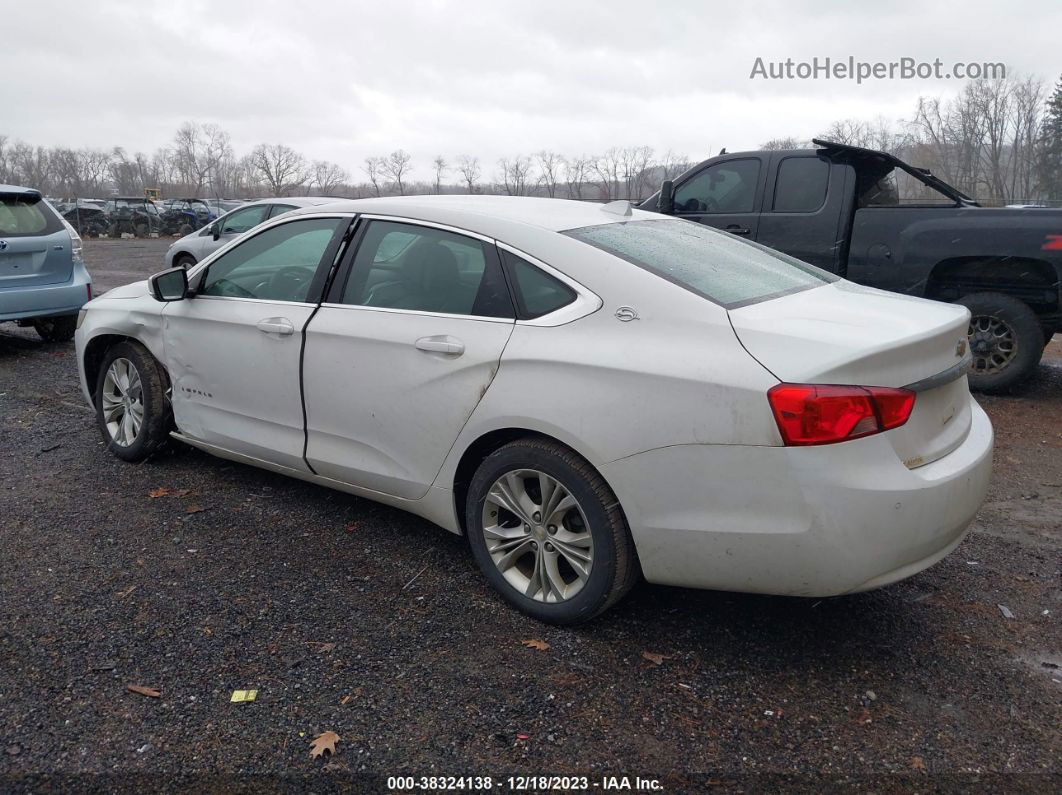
(43, 280)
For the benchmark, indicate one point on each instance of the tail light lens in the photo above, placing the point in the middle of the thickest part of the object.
(809, 414)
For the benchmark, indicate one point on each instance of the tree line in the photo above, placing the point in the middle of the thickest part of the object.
(998, 140)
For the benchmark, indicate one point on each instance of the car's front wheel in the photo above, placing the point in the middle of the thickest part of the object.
(132, 409)
(548, 532)
(56, 329)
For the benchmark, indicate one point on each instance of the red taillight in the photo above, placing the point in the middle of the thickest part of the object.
(823, 413)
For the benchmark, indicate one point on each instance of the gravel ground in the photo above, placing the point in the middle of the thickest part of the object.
(351, 617)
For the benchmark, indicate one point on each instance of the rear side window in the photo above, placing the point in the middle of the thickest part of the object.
(536, 292)
(801, 185)
(713, 264)
(424, 269)
(21, 218)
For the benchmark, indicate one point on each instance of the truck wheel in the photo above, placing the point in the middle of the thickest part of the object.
(1006, 341)
(56, 329)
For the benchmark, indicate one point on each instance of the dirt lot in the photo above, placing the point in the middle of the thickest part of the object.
(352, 617)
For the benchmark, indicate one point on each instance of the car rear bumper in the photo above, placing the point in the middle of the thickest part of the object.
(801, 521)
(46, 300)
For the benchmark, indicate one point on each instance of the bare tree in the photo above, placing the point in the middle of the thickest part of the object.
(576, 173)
(373, 169)
(280, 167)
(327, 177)
(515, 173)
(550, 164)
(396, 166)
(778, 144)
(441, 167)
(470, 171)
(674, 164)
(198, 149)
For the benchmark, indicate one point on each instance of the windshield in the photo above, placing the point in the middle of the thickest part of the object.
(22, 218)
(705, 261)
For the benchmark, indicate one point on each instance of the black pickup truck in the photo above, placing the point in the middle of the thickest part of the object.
(874, 219)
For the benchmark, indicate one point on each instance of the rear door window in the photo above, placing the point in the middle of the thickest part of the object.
(801, 185)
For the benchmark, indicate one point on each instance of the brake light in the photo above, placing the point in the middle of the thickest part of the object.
(809, 414)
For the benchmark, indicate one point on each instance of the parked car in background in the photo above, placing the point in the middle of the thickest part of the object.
(132, 215)
(192, 248)
(872, 218)
(184, 216)
(43, 280)
(587, 392)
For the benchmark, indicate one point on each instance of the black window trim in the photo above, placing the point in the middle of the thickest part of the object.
(517, 297)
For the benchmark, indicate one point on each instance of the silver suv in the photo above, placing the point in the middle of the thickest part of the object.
(43, 281)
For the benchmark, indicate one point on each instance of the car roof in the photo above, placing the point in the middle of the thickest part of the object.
(491, 215)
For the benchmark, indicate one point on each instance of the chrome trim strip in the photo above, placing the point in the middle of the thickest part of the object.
(201, 297)
(953, 373)
(455, 316)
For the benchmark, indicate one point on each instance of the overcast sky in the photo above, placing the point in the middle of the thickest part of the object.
(343, 80)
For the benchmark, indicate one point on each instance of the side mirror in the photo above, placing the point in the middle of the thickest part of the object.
(215, 230)
(665, 203)
(171, 285)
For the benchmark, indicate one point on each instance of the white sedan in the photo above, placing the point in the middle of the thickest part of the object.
(589, 393)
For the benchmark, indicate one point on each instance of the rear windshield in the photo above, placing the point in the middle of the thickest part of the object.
(20, 218)
(713, 264)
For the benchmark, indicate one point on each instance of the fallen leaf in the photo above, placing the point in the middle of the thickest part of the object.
(918, 763)
(327, 647)
(656, 659)
(144, 691)
(325, 741)
(195, 509)
(162, 491)
(126, 592)
(541, 645)
(522, 736)
(346, 699)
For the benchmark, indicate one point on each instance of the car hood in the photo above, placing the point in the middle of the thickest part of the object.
(134, 290)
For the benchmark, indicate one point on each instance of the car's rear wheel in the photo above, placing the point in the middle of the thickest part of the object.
(1006, 341)
(132, 409)
(548, 533)
(56, 329)
(185, 261)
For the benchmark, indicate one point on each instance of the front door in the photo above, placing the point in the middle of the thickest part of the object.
(233, 349)
(401, 354)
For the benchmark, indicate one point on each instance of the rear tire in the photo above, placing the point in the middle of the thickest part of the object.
(1006, 341)
(185, 261)
(561, 565)
(132, 410)
(56, 329)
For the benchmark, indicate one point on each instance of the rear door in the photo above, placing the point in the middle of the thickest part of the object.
(401, 353)
(233, 350)
(805, 213)
(34, 243)
(727, 195)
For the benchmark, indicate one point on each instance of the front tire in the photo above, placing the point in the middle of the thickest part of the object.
(548, 532)
(185, 261)
(1006, 341)
(56, 329)
(132, 410)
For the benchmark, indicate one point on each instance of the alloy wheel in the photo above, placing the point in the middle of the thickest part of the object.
(123, 402)
(992, 344)
(537, 535)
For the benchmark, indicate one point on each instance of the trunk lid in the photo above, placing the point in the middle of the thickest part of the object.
(843, 333)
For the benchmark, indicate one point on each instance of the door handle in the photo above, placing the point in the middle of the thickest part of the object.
(734, 229)
(276, 325)
(442, 343)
